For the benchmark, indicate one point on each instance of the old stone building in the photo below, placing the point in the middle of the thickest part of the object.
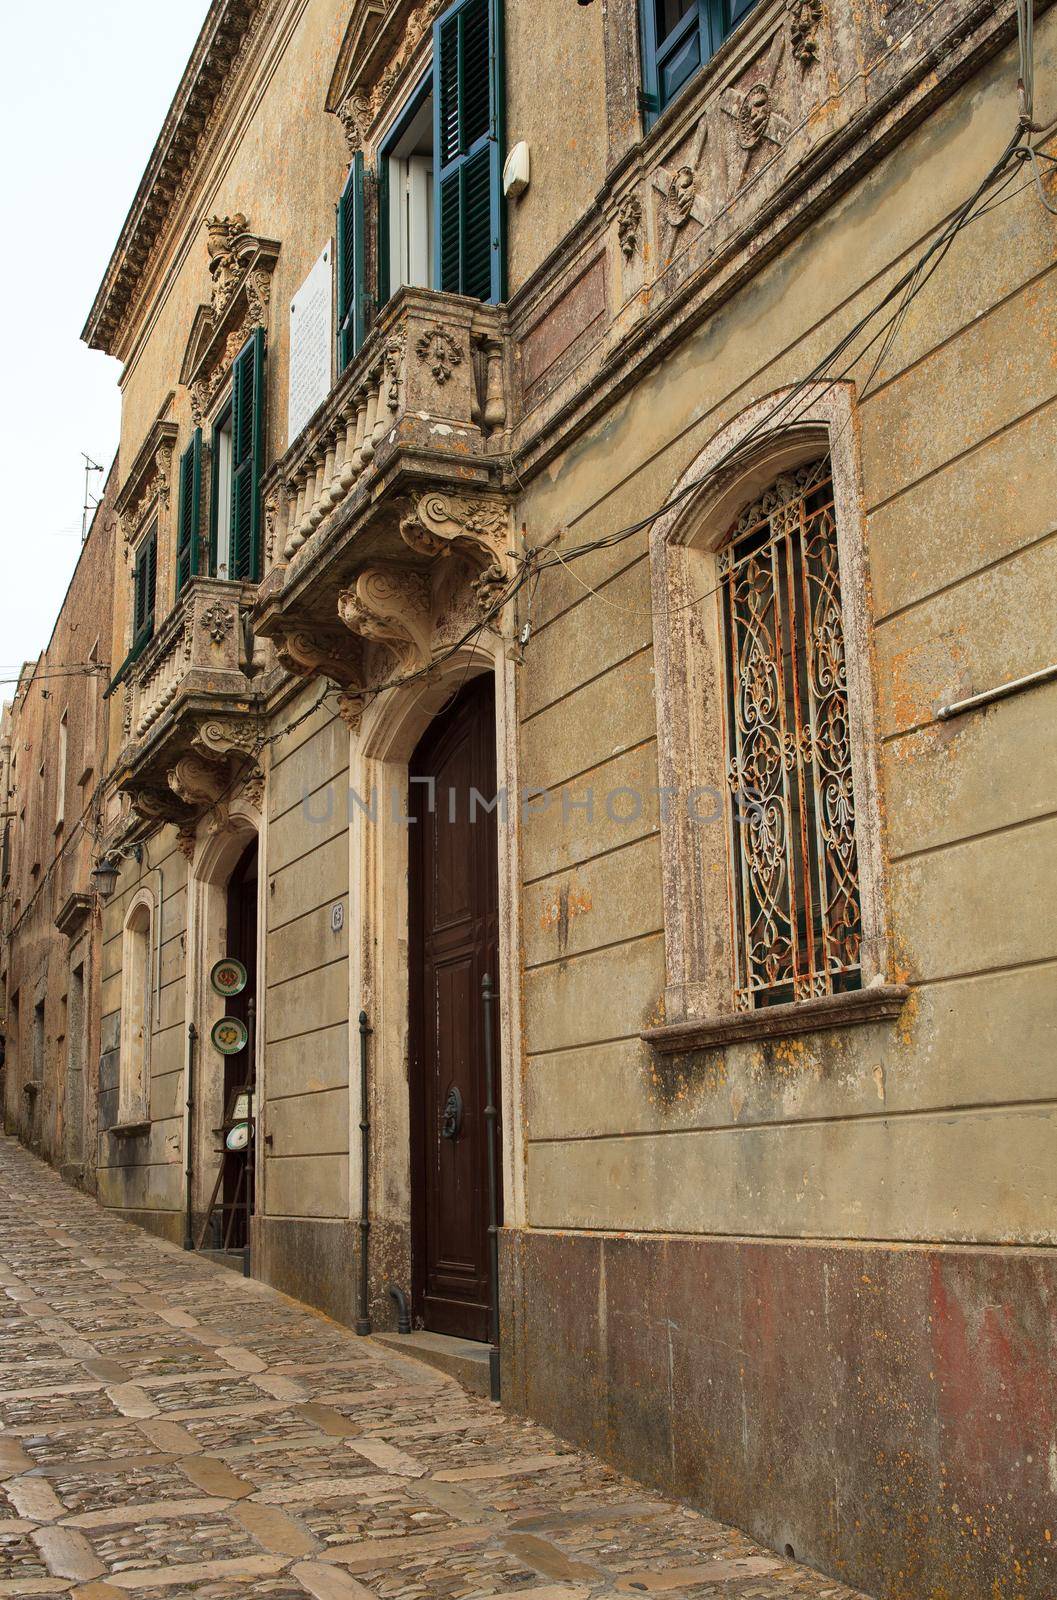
(53, 770)
(600, 541)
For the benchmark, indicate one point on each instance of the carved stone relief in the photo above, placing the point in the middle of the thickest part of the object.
(629, 222)
(391, 605)
(217, 621)
(478, 527)
(439, 351)
(678, 186)
(221, 236)
(805, 19)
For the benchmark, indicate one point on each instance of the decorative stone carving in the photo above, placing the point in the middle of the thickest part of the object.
(308, 655)
(682, 192)
(805, 18)
(217, 621)
(394, 352)
(187, 839)
(437, 350)
(391, 604)
(253, 787)
(163, 473)
(199, 401)
(629, 222)
(221, 235)
(480, 528)
(126, 711)
(197, 782)
(216, 738)
(271, 520)
(678, 188)
(754, 116)
(152, 806)
(354, 114)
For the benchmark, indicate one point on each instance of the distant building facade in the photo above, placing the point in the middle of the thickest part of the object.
(53, 772)
(542, 554)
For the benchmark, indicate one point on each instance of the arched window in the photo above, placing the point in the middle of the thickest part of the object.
(771, 827)
(136, 1010)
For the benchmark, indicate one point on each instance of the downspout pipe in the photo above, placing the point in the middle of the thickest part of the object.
(192, 1043)
(363, 1324)
(491, 1120)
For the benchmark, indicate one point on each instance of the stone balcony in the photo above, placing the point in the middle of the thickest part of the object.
(189, 728)
(393, 492)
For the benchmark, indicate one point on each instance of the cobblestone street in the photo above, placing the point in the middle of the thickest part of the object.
(171, 1429)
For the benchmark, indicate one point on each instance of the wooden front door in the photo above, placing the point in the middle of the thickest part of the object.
(453, 913)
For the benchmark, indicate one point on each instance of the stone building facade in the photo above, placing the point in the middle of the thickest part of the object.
(602, 542)
(53, 771)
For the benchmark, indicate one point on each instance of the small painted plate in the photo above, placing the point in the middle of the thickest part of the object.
(230, 1035)
(228, 976)
(238, 1137)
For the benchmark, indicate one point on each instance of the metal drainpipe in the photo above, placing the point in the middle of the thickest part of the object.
(491, 1116)
(192, 1040)
(157, 941)
(363, 1326)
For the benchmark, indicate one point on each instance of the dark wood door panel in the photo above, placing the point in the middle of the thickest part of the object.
(453, 943)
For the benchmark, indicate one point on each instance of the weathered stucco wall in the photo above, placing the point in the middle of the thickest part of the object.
(932, 1129)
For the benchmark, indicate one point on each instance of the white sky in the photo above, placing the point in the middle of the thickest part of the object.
(86, 90)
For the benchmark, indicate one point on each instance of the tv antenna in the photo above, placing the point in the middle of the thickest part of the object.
(90, 501)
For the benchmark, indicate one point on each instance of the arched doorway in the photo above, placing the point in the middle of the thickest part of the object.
(453, 918)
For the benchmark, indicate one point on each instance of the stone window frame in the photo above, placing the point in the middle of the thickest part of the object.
(774, 435)
(137, 1012)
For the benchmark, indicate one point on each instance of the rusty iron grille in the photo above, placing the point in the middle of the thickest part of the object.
(794, 889)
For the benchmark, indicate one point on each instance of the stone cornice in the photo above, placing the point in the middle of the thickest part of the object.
(203, 86)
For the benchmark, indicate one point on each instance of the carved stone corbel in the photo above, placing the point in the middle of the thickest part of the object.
(197, 782)
(392, 605)
(318, 655)
(154, 807)
(473, 525)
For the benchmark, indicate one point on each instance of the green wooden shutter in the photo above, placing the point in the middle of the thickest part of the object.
(352, 282)
(470, 218)
(144, 589)
(247, 446)
(187, 520)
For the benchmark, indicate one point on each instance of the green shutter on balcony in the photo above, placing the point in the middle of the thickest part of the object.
(352, 280)
(469, 216)
(188, 517)
(247, 447)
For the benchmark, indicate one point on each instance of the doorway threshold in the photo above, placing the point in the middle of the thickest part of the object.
(462, 1359)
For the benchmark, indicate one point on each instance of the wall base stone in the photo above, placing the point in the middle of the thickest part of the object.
(889, 1412)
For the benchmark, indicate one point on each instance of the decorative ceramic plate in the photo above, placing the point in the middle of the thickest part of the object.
(230, 1035)
(238, 1137)
(228, 976)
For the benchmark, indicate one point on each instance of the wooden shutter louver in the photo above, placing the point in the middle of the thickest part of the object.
(467, 135)
(247, 408)
(190, 508)
(352, 295)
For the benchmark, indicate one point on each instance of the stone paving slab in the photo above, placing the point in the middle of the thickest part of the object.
(169, 1430)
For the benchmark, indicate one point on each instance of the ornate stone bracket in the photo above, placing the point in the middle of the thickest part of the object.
(392, 605)
(476, 526)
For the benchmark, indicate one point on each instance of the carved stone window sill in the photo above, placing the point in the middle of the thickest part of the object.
(878, 1003)
(130, 1130)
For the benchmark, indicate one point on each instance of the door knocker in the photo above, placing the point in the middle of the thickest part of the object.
(452, 1115)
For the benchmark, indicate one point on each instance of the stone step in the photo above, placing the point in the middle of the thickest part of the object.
(462, 1359)
(235, 1259)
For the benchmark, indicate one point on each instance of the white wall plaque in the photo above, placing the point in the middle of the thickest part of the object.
(311, 343)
